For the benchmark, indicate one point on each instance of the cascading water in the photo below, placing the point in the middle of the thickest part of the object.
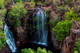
(41, 27)
(10, 38)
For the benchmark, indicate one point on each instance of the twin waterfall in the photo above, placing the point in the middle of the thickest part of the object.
(41, 27)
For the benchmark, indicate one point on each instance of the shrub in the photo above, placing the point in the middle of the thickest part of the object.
(62, 29)
(53, 22)
(48, 13)
(71, 15)
(2, 38)
(28, 50)
(39, 50)
(18, 12)
(2, 13)
(75, 51)
(68, 2)
(46, 3)
(18, 0)
(77, 48)
(56, 2)
(24, 50)
(2, 3)
(32, 4)
(2, 35)
(61, 10)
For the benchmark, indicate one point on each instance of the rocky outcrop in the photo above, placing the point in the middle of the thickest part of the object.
(24, 34)
(5, 50)
(69, 42)
(53, 43)
(23, 31)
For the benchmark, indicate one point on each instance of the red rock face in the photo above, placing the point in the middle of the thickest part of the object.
(69, 42)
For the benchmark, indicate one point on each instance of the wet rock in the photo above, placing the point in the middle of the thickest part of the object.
(56, 44)
(52, 41)
(69, 42)
(5, 50)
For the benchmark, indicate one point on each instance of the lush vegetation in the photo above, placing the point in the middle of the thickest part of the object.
(48, 13)
(2, 15)
(2, 40)
(71, 15)
(17, 13)
(62, 29)
(63, 11)
(52, 23)
(39, 50)
(18, 0)
(77, 48)
(2, 3)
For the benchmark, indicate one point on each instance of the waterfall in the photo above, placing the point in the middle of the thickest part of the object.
(10, 38)
(41, 27)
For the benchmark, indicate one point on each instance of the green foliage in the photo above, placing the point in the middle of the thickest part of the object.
(30, 50)
(24, 50)
(68, 2)
(2, 36)
(53, 22)
(2, 3)
(77, 46)
(8, 2)
(62, 29)
(32, 4)
(48, 13)
(46, 3)
(17, 13)
(1, 25)
(2, 13)
(71, 15)
(56, 2)
(18, 0)
(39, 50)
(61, 10)
(75, 51)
